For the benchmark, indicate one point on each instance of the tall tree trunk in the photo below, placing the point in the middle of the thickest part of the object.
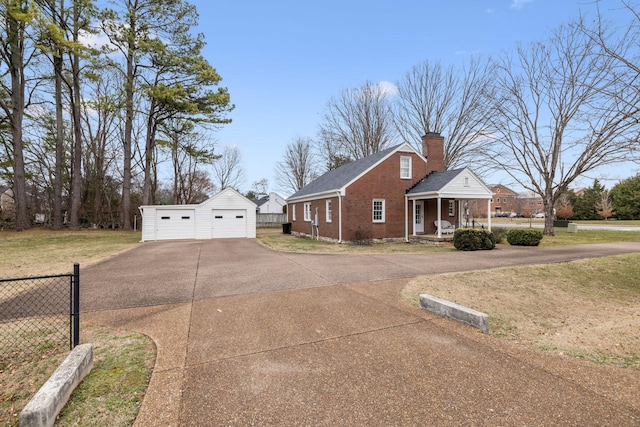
(76, 172)
(15, 37)
(128, 131)
(149, 154)
(57, 179)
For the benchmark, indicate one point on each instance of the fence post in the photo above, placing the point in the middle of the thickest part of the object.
(76, 304)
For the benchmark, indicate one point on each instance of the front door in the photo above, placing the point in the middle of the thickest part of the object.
(418, 222)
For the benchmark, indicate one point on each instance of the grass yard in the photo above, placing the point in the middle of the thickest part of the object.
(40, 251)
(111, 394)
(586, 309)
(273, 238)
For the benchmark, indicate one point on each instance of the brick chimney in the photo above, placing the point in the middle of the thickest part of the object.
(433, 150)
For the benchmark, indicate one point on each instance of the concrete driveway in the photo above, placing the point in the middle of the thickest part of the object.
(248, 336)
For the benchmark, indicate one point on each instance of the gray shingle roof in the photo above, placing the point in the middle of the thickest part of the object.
(337, 178)
(435, 181)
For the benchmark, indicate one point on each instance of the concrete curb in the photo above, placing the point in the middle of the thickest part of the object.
(454, 311)
(47, 403)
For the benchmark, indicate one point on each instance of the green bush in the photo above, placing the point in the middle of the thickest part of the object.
(469, 239)
(524, 237)
(500, 233)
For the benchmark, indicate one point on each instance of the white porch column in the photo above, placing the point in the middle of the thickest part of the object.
(439, 201)
(339, 217)
(406, 218)
(489, 214)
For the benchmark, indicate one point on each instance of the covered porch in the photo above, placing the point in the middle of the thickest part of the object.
(443, 198)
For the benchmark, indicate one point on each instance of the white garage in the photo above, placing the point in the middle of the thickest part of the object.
(228, 214)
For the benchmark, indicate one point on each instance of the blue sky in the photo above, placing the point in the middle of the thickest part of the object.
(282, 60)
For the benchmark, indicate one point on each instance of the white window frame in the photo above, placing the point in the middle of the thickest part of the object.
(307, 211)
(452, 208)
(381, 202)
(329, 213)
(293, 212)
(406, 168)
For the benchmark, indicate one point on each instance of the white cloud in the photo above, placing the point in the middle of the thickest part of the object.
(96, 41)
(388, 88)
(518, 4)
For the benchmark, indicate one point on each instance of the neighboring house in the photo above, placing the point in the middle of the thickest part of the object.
(391, 194)
(504, 200)
(7, 205)
(270, 203)
(228, 214)
(531, 203)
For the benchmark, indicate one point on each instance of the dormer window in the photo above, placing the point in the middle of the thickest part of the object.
(405, 167)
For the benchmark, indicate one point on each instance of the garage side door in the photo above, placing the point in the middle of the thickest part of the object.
(175, 224)
(229, 223)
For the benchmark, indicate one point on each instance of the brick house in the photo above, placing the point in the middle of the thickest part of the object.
(391, 194)
(504, 200)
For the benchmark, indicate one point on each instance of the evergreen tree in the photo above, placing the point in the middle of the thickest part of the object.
(625, 198)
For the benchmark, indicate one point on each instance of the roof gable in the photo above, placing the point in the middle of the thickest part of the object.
(229, 193)
(458, 183)
(340, 178)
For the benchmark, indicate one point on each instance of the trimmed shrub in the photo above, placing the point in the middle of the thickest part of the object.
(524, 237)
(500, 233)
(469, 239)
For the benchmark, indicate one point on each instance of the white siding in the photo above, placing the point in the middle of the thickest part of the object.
(148, 223)
(201, 218)
(465, 185)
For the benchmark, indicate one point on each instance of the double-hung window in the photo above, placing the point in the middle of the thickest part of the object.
(452, 208)
(307, 211)
(378, 210)
(329, 213)
(405, 167)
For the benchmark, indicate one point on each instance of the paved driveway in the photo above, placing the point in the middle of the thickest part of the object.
(248, 336)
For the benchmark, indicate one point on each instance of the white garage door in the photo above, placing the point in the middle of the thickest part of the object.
(175, 224)
(229, 223)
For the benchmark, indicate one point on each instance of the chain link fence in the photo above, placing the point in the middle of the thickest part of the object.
(39, 313)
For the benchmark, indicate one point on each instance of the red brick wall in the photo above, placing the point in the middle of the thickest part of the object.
(431, 214)
(383, 182)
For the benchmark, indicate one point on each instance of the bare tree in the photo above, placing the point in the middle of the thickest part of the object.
(432, 98)
(604, 206)
(358, 123)
(228, 170)
(622, 47)
(558, 115)
(260, 187)
(298, 167)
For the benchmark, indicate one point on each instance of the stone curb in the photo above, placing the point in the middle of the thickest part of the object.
(47, 403)
(455, 311)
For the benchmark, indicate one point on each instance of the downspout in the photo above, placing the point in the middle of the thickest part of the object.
(339, 217)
